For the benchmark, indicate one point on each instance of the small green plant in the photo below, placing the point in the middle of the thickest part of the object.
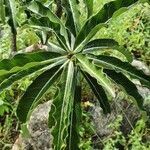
(136, 140)
(133, 141)
(65, 60)
(8, 122)
(116, 137)
(3, 107)
(86, 131)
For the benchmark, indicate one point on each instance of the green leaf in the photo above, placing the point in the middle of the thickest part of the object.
(69, 18)
(45, 24)
(55, 48)
(103, 44)
(44, 11)
(69, 22)
(72, 15)
(11, 13)
(119, 12)
(75, 14)
(96, 73)
(8, 79)
(5, 76)
(60, 113)
(39, 87)
(19, 75)
(102, 16)
(89, 5)
(21, 60)
(89, 37)
(74, 137)
(100, 44)
(98, 92)
(118, 65)
(126, 84)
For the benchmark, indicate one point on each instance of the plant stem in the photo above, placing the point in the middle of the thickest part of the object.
(14, 42)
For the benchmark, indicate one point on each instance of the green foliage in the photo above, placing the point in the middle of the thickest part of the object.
(66, 61)
(3, 107)
(117, 136)
(8, 123)
(86, 130)
(131, 29)
(134, 140)
(5, 45)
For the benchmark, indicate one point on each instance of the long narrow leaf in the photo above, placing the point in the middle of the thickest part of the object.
(96, 73)
(118, 65)
(103, 44)
(59, 116)
(98, 92)
(93, 31)
(21, 60)
(24, 61)
(125, 83)
(11, 13)
(70, 25)
(100, 43)
(75, 14)
(19, 75)
(39, 87)
(74, 137)
(55, 48)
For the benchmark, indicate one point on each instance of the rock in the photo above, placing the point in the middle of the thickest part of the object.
(122, 110)
(40, 137)
(122, 107)
(141, 66)
(101, 121)
(144, 91)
